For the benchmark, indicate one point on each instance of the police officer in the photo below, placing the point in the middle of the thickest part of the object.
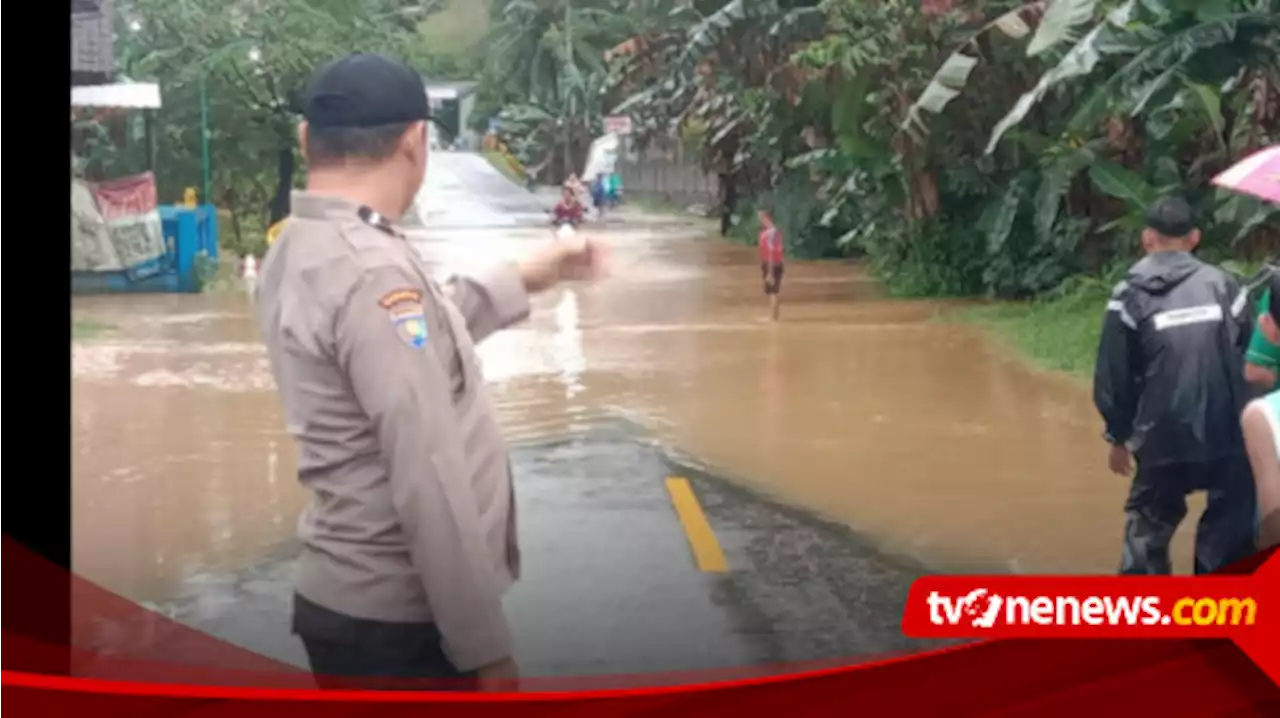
(1169, 384)
(409, 541)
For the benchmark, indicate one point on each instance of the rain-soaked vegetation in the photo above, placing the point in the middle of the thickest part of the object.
(1002, 148)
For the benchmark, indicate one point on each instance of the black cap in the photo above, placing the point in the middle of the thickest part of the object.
(364, 89)
(1171, 216)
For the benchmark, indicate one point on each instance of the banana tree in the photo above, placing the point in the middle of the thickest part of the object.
(1180, 86)
(533, 39)
(950, 80)
(554, 130)
(727, 72)
(1169, 52)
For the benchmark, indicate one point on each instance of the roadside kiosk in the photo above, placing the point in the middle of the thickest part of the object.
(122, 240)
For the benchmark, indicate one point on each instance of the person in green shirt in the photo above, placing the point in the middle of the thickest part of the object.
(1262, 358)
(1261, 423)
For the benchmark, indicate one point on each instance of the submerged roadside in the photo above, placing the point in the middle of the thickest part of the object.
(1059, 335)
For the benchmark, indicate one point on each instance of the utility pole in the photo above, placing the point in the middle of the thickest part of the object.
(203, 81)
(204, 136)
(568, 120)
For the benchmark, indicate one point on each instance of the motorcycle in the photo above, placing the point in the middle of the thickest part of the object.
(573, 221)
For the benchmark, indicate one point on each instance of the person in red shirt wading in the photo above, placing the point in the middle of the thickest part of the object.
(771, 256)
(569, 210)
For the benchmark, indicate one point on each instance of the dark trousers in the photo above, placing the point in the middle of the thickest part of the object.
(1269, 530)
(347, 652)
(1158, 503)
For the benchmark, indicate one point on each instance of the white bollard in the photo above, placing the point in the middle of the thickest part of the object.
(250, 274)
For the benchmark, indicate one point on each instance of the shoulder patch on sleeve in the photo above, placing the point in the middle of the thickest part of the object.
(400, 296)
(407, 314)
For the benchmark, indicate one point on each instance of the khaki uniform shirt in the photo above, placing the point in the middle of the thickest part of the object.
(413, 515)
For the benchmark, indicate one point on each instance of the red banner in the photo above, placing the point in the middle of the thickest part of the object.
(116, 225)
(126, 197)
(176, 670)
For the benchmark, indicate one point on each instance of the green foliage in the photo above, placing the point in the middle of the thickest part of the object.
(454, 34)
(1004, 148)
(796, 212)
(88, 328)
(206, 269)
(995, 150)
(242, 234)
(503, 165)
(1061, 22)
(1167, 47)
(252, 57)
(933, 259)
(730, 74)
(1144, 99)
(1056, 335)
(545, 76)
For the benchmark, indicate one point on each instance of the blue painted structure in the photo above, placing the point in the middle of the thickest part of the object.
(188, 232)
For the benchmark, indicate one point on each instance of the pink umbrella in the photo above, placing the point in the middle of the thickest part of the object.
(1258, 175)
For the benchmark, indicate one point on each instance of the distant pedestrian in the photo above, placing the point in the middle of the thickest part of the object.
(599, 194)
(771, 253)
(613, 189)
(728, 203)
(409, 542)
(580, 191)
(1261, 424)
(1169, 384)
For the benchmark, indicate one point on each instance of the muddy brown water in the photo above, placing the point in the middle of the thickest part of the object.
(922, 434)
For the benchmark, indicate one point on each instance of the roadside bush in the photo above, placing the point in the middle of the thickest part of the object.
(934, 259)
(241, 235)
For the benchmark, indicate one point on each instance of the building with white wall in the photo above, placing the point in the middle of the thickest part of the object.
(451, 104)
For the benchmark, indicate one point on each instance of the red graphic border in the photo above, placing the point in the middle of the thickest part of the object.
(1013, 676)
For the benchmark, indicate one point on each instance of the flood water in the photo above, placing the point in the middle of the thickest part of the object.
(921, 434)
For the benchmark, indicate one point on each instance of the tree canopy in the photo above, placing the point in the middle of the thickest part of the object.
(254, 57)
(997, 147)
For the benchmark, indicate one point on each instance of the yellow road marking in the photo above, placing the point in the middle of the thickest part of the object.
(706, 549)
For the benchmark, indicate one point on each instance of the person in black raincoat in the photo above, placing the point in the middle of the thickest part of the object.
(1169, 383)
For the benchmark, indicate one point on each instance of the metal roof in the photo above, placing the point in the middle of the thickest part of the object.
(137, 95)
(448, 90)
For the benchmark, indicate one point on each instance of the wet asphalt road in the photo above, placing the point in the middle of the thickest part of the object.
(463, 190)
(609, 585)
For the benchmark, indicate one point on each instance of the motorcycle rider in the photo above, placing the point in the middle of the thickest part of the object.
(568, 210)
